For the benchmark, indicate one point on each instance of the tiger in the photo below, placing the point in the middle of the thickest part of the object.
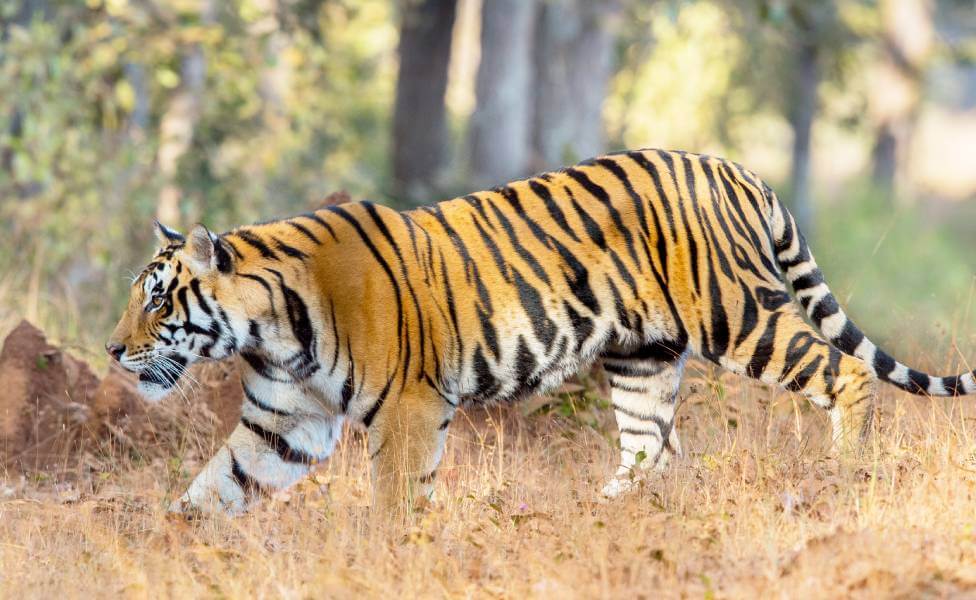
(633, 261)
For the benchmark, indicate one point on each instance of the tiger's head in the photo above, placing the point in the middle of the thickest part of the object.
(182, 308)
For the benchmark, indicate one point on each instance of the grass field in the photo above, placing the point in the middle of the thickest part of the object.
(757, 507)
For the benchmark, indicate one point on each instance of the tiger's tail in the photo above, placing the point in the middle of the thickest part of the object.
(800, 269)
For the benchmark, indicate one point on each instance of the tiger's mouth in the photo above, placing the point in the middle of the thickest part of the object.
(158, 374)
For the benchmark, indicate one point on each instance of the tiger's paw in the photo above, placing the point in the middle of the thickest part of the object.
(618, 487)
(180, 505)
(182, 510)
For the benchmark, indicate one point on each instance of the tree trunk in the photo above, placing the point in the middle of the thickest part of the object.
(500, 125)
(420, 135)
(135, 73)
(804, 107)
(27, 11)
(907, 39)
(178, 123)
(275, 77)
(573, 59)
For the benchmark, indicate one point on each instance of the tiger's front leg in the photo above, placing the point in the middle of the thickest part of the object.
(282, 434)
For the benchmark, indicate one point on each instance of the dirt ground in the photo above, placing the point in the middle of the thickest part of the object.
(757, 507)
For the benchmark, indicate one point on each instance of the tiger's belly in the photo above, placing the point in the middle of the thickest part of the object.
(524, 363)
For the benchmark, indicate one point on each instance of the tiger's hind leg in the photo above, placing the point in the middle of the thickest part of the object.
(785, 350)
(644, 385)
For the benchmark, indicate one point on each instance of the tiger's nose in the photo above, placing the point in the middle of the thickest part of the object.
(115, 349)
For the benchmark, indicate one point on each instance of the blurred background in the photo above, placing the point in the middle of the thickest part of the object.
(862, 115)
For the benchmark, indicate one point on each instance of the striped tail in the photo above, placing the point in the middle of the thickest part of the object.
(801, 270)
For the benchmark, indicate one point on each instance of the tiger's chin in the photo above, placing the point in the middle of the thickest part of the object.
(154, 393)
(156, 384)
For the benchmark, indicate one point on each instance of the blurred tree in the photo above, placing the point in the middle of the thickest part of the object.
(500, 126)
(815, 25)
(574, 60)
(420, 135)
(907, 35)
(179, 121)
(800, 43)
(20, 14)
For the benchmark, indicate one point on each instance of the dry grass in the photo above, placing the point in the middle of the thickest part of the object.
(756, 508)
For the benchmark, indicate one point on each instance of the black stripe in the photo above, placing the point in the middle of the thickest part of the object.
(796, 349)
(525, 363)
(771, 299)
(689, 234)
(289, 250)
(555, 211)
(255, 242)
(750, 314)
(811, 279)
(349, 384)
(335, 337)
(373, 410)
(531, 302)
(593, 230)
(267, 287)
(635, 431)
(526, 256)
(631, 369)
(601, 194)
(626, 387)
(451, 306)
(918, 382)
(305, 231)
(582, 326)
(953, 385)
(803, 377)
(248, 484)
(249, 395)
(643, 162)
(195, 286)
(279, 444)
(883, 364)
(422, 342)
(496, 253)
(764, 348)
(379, 258)
(825, 308)
(488, 332)
(486, 384)
(639, 416)
(849, 339)
(301, 326)
(322, 222)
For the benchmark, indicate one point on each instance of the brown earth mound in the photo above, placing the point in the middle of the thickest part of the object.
(56, 415)
(45, 402)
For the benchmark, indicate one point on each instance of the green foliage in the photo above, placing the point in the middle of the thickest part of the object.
(290, 110)
(904, 277)
(295, 102)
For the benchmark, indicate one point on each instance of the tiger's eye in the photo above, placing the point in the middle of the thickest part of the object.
(157, 301)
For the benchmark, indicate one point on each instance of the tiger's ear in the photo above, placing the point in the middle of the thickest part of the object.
(207, 251)
(201, 249)
(167, 236)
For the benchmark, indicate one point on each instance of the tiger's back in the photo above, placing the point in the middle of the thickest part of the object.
(548, 273)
